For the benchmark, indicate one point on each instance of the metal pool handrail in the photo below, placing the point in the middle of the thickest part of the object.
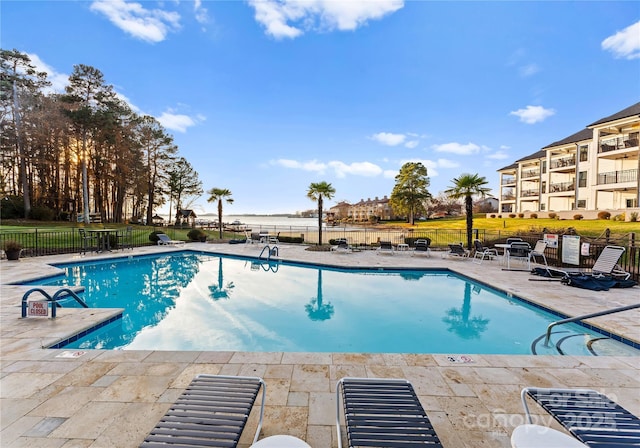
(54, 299)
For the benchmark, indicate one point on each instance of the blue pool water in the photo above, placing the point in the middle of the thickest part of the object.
(195, 301)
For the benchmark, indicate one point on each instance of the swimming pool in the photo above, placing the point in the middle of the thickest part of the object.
(197, 301)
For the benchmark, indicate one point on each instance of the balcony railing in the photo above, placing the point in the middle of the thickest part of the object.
(616, 177)
(508, 180)
(531, 173)
(561, 163)
(613, 144)
(529, 193)
(563, 186)
(508, 197)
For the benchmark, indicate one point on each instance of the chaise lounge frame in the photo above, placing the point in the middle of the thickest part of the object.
(588, 415)
(382, 413)
(212, 412)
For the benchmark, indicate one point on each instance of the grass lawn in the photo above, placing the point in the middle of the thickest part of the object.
(593, 227)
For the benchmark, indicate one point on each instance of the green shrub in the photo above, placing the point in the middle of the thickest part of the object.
(492, 216)
(12, 207)
(604, 215)
(620, 217)
(153, 236)
(196, 235)
(553, 215)
(291, 239)
(512, 215)
(499, 216)
(41, 213)
(533, 216)
(578, 217)
(520, 215)
(633, 217)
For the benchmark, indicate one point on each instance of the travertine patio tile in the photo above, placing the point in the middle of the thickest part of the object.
(149, 368)
(277, 391)
(214, 357)
(310, 385)
(306, 358)
(357, 358)
(497, 375)
(172, 356)
(24, 385)
(66, 402)
(15, 429)
(310, 371)
(340, 371)
(286, 420)
(279, 371)
(27, 442)
(87, 374)
(127, 426)
(322, 408)
(90, 421)
(256, 358)
(12, 409)
(135, 388)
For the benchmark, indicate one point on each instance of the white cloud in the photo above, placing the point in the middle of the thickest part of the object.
(533, 114)
(202, 14)
(498, 155)
(528, 70)
(624, 44)
(446, 163)
(312, 165)
(411, 144)
(58, 80)
(366, 169)
(389, 139)
(150, 25)
(291, 18)
(178, 122)
(457, 148)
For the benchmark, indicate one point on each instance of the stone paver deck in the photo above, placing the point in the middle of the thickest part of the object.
(113, 398)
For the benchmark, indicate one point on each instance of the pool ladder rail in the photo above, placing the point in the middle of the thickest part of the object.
(271, 251)
(62, 293)
(609, 343)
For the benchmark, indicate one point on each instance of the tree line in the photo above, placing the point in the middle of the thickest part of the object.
(83, 151)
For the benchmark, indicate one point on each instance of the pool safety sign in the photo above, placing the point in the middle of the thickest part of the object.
(38, 308)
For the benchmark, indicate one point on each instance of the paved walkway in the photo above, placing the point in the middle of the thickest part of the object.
(113, 398)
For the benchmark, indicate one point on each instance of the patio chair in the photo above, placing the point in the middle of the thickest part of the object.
(519, 251)
(588, 415)
(382, 413)
(481, 252)
(212, 412)
(342, 245)
(88, 241)
(125, 239)
(164, 240)
(457, 251)
(385, 246)
(538, 251)
(422, 246)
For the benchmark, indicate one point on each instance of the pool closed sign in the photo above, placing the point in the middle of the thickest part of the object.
(38, 308)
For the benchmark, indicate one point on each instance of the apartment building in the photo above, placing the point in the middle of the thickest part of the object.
(592, 170)
(361, 211)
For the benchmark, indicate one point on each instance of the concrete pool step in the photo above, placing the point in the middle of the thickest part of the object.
(583, 344)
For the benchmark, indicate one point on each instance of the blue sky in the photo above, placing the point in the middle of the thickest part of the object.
(264, 97)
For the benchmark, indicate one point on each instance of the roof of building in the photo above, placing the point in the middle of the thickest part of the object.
(186, 213)
(624, 113)
(585, 134)
(536, 155)
(513, 166)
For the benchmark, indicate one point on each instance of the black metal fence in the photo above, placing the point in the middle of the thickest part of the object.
(36, 242)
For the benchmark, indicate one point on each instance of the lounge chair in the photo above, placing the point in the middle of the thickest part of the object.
(342, 245)
(606, 265)
(588, 415)
(211, 412)
(382, 413)
(457, 251)
(421, 246)
(481, 252)
(385, 246)
(164, 240)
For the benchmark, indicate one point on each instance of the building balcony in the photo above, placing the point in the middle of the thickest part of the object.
(562, 187)
(618, 177)
(613, 144)
(566, 162)
(508, 197)
(529, 193)
(530, 173)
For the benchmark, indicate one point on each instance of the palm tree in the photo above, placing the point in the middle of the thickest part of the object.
(466, 186)
(220, 194)
(317, 192)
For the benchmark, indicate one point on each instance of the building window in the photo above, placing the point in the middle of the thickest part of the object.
(582, 179)
(584, 152)
(544, 166)
(543, 187)
(582, 203)
(542, 207)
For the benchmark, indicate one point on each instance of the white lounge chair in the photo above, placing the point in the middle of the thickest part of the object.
(385, 246)
(482, 252)
(342, 245)
(164, 240)
(606, 264)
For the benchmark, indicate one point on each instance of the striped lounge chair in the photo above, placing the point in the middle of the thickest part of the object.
(383, 413)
